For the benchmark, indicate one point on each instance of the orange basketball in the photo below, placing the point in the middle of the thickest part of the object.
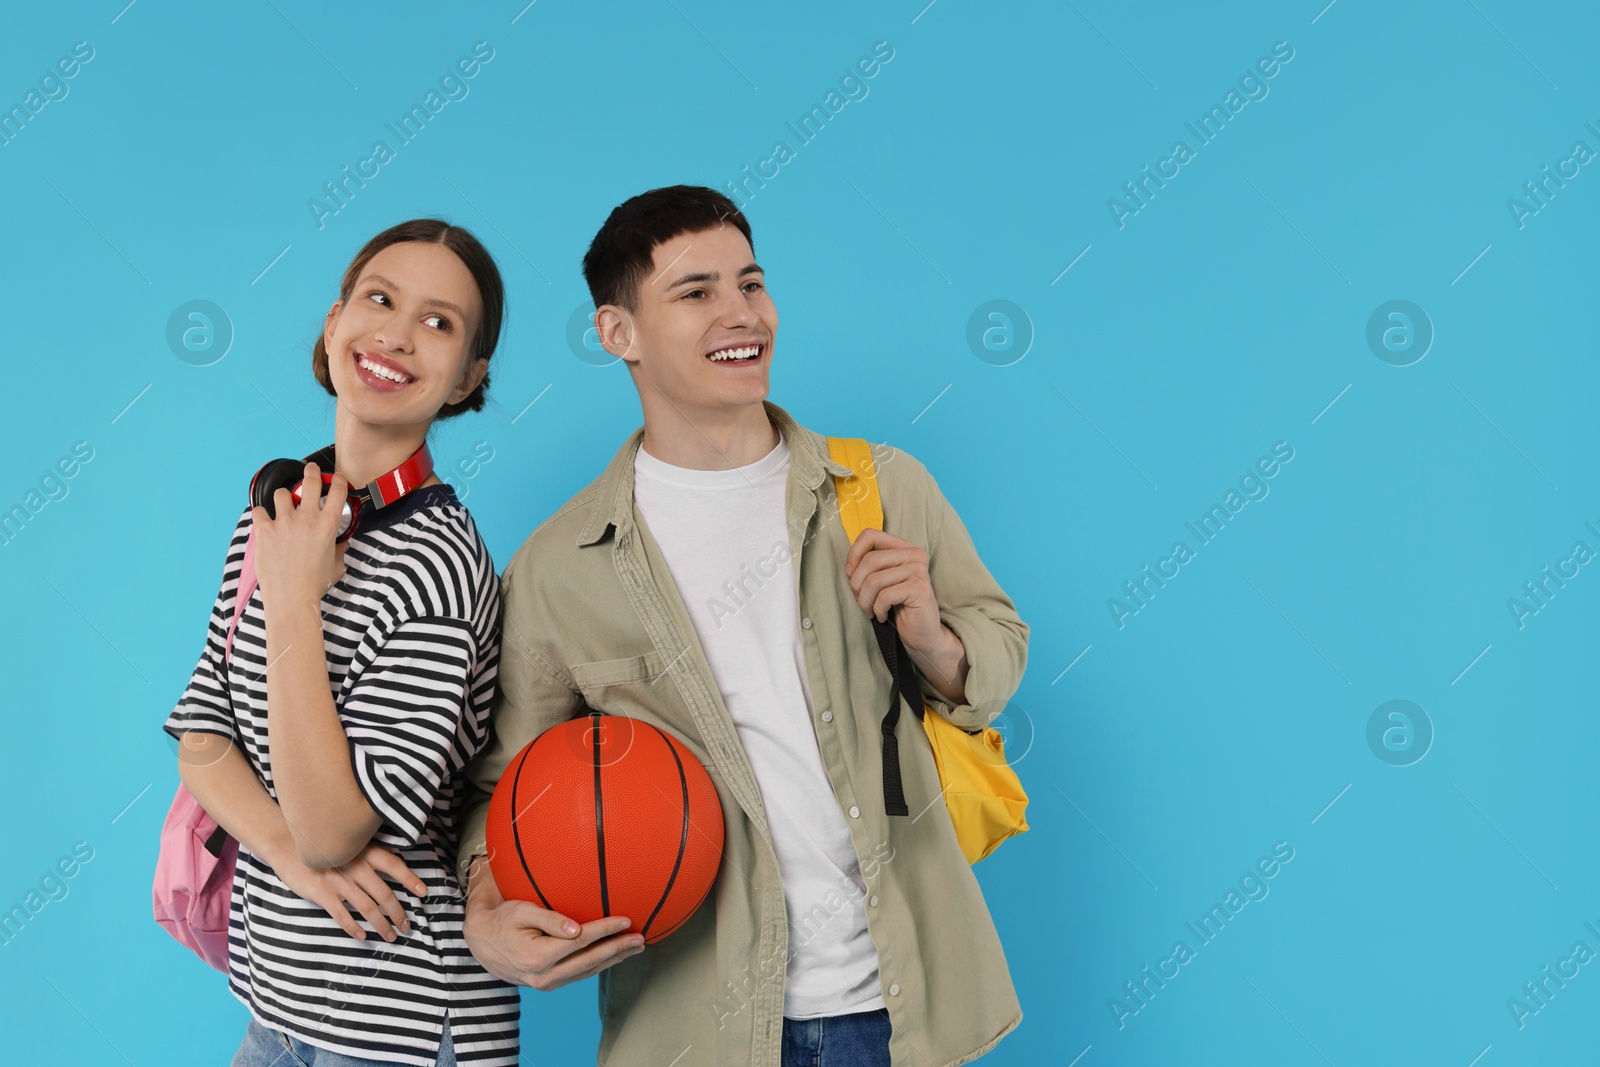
(606, 815)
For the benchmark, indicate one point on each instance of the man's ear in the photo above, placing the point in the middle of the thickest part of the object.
(615, 327)
(470, 380)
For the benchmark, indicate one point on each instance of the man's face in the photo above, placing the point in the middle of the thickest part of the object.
(703, 334)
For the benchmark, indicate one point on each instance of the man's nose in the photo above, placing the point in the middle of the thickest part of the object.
(740, 311)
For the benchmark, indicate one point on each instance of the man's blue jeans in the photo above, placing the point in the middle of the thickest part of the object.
(860, 1039)
(265, 1047)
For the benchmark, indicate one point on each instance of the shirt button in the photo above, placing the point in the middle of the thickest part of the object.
(874, 900)
(894, 990)
(855, 812)
(827, 716)
(806, 622)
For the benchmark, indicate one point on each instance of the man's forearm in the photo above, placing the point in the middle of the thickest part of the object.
(481, 888)
(945, 667)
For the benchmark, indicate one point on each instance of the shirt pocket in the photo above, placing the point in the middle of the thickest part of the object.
(635, 686)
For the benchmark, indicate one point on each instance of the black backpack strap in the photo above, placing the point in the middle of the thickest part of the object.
(214, 844)
(907, 688)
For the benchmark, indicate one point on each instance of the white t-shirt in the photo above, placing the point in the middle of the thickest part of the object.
(725, 538)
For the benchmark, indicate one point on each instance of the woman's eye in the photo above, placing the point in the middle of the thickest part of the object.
(381, 296)
(443, 323)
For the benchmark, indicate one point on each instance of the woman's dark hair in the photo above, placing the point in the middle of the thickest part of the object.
(619, 257)
(481, 265)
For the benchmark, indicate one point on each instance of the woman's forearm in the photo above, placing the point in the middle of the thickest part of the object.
(328, 815)
(216, 772)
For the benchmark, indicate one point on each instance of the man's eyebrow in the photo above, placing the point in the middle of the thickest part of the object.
(712, 276)
(431, 300)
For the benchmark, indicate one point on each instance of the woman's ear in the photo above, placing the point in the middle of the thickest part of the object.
(330, 323)
(471, 378)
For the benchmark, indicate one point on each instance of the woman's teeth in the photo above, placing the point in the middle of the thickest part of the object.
(379, 370)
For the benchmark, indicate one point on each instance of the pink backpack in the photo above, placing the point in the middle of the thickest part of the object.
(194, 873)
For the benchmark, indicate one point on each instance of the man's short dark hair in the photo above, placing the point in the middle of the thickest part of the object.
(620, 256)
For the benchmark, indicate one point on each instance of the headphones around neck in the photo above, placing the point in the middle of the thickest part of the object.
(290, 474)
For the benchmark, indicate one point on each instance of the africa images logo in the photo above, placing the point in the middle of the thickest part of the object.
(1207, 128)
(338, 192)
(1252, 486)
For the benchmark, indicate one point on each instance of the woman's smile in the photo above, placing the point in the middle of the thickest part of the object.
(380, 373)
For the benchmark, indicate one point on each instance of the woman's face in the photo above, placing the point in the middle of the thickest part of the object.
(398, 348)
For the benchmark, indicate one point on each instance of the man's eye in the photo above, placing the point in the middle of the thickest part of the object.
(754, 285)
(694, 292)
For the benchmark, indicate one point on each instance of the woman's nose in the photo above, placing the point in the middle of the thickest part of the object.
(394, 336)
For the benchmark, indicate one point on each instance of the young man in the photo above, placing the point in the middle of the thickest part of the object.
(704, 583)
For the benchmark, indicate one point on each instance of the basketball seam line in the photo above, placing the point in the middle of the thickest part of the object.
(683, 841)
(599, 818)
(516, 838)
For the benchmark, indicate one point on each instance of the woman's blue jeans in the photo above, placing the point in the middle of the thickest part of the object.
(265, 1047)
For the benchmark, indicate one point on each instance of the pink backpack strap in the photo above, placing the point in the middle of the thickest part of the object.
(247, 588)
(193, 889)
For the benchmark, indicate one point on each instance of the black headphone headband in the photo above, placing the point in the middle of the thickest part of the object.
(290, 474)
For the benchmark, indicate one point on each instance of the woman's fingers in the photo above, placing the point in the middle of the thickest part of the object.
(359, 900)
(331, 901)
(282, 504)
(379, 892)
(360, 885)
(333, 503)
(387, 863)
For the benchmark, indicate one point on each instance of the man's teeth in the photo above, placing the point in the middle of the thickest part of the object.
(748, 352)
(382, 371)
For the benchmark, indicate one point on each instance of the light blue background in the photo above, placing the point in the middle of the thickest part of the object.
(1224, 317)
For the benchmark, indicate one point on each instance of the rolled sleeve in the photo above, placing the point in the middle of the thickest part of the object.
(978, 612)
(204, 706)
(402, 715)
(530, 699)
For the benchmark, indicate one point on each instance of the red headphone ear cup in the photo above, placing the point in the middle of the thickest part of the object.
(275, 475)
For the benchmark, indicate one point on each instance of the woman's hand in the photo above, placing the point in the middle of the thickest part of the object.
(297, 557)
(360, 884)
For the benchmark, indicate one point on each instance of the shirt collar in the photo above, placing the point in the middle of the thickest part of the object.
(380, 518)
(613, 506)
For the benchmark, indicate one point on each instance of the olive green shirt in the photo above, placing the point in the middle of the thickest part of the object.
(592, 619)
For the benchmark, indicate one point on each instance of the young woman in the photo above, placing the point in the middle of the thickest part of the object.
(331, 741)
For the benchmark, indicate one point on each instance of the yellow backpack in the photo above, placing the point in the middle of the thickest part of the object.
(981, 791)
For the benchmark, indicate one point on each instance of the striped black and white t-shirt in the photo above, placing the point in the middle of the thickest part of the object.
(413, 645)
